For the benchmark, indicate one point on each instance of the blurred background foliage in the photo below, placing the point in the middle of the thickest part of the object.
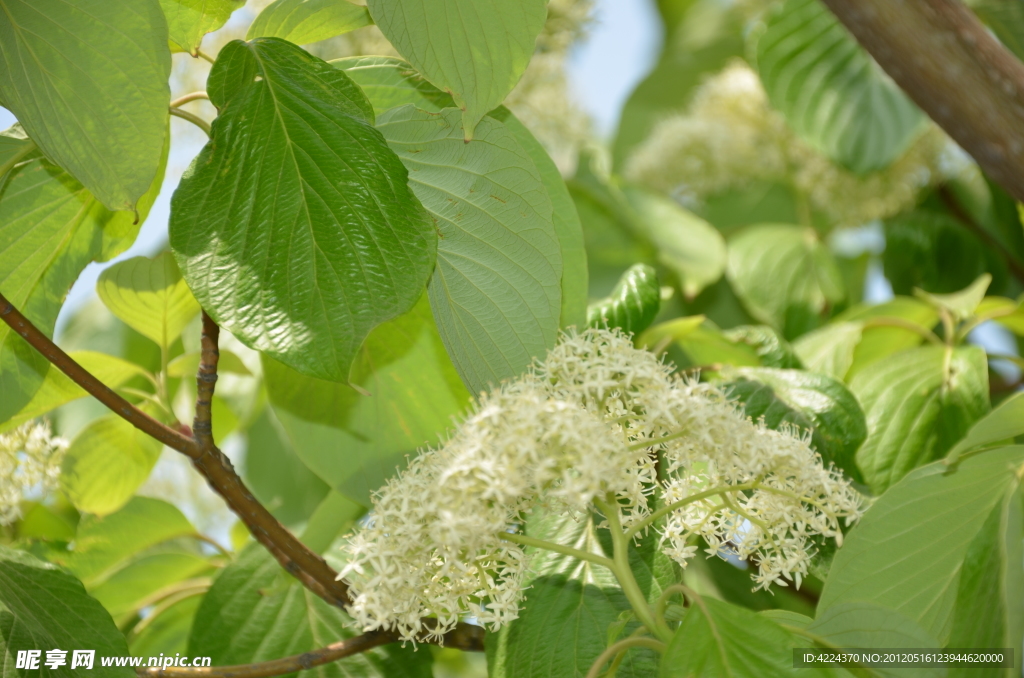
(770, 211)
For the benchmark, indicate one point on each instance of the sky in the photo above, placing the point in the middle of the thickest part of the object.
(621, 47)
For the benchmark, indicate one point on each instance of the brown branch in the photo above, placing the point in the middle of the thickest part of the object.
(951, 66)
(206, 382)
(297, 559)
(277, 667)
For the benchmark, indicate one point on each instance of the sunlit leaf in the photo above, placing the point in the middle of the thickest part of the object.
(188, 21)
(88, 80)
(306, 21)
(474, 50)
(301, 261)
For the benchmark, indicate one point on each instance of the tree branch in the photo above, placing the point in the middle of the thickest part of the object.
(277, 667)
(953, 205)
(298, 560)
(951, 66)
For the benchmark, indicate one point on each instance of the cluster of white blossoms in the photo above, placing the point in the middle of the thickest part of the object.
(30, 459)
(731, 137)
(584, 425)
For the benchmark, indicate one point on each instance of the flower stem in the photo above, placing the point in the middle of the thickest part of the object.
(665, 510)
(194, 119)
(557, 548)
(624, 573)
(622, 646)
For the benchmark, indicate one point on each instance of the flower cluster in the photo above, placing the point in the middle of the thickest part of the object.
(731, 137)
(30, 459)
(580, 427)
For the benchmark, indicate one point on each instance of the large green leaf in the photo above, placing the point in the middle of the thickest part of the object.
(106, 462)
(50, 228)
(496, 289)
(633, 303)
(103, 545)
(154, 572)
(725, 641)
(306, 21)
(908, 551)
(149, 296)
(864, 334)
(44, 608)
(188, 21)
(354, 441)
(248, 617)
(869, 625)
(88, 80)
(812, 402)
(476, 50)
(57, 388)
(831, 91)
(389, 83)
(276, 475)
(564, 623)
(918, 404)
(988, 612)
(303, 248)
(1001, 424)
(689, 246)
(785, 276)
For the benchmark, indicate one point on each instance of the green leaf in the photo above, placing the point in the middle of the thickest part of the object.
(918, 404)
(106, 463)
(187, 365)
(103, 544)
(88, 81)
(303, 261)
(150, 296)
(45, 608)
(772, 350)
(570, 604)
(633, 303)
(1003, 423)
(188, 21)
(306, 21)
(390, 83)
(245, 619)
(686, 244)
(832, 94)
(39, 522)
(785, 276)
(869, 625)
(719, 639)
(476, 51)
(355, 441)
(168, 633)
(277, 476)
(50, 228)
(809, 401)
(153, 572)
(495, 292)
(988, 611)
(933, 250)
(908, 550)
(860, 336)
(961, 305)
(57, 388)
(706, 346)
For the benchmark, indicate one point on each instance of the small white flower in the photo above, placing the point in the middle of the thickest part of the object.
(30, 459)
(583, 425)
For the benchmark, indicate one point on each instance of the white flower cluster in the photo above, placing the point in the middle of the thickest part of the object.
(30, 459)
(579, 427)
(731, 136)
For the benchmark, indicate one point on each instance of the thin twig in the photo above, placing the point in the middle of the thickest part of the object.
(278, 667)
(305, 565)
(194, 119)
(191, 96)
